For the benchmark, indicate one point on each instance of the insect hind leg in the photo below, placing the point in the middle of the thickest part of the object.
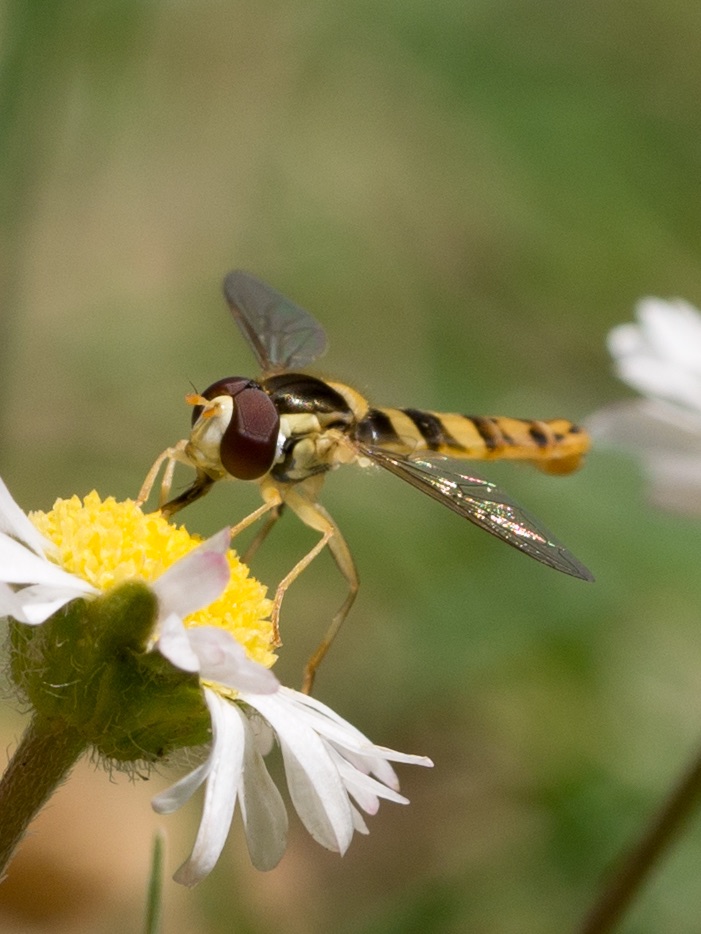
(315, 516)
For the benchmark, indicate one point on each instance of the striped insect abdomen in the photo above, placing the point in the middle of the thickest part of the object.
(555, 446)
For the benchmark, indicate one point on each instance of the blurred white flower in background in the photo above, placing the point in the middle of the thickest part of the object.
(660, 357)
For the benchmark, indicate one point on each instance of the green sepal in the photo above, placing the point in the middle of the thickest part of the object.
(89, 665)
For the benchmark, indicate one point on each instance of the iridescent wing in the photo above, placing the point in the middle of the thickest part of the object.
(281, 335)
(482, 503)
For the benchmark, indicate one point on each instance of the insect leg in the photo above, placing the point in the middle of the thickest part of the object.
(275, 514)
(315, 516)
(201, 485)
(172, 455)
(272, 502)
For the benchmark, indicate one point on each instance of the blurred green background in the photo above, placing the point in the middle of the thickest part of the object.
(468, 195)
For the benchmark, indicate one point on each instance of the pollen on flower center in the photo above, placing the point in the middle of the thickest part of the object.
(107, 543)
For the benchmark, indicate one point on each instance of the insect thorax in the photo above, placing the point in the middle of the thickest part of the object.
(314, 420)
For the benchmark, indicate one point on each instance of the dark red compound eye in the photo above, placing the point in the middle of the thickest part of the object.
(249, 443)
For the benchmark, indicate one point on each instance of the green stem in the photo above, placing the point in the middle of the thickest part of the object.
(643, 856)
(48, 751)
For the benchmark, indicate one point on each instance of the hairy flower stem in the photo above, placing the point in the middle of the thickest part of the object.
(46, 754)
(638, 863)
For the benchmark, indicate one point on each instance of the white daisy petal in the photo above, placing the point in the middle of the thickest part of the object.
(367, 790)
(14, 522)
(10, 604)
(224, 660)
(178, 794)
(359, 824)
(662, 379)
(668, 440)
(223, 782)
(174, 644)
(263, 733)
(19, 565)
(313, 781)
(672, 331)
(262, 808)
(371, 764)
(40, 601)
(330, 780)
(195, 580)
(648, 425)
(660, 356)
(329, 724)
(318, 794)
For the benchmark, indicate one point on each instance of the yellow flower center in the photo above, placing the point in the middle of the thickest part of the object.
(107, 543)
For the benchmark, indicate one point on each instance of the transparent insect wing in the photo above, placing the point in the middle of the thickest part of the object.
(282, 335)
(483, 503)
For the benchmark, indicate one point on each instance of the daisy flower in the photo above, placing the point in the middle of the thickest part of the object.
(660, 357)
(209, 616)
(142, 639)
(333, 772)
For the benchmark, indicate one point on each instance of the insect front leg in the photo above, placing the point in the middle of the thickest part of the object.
(173, 455)
(316, 517)
(202, 484)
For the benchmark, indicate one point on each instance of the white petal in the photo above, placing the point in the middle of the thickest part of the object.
(10, 604)
(39, 602)
(315, 786)
(223, 783)
(263, 733)
(371, 764)
(262, 808)
(675, 485)
(649, 425)
(224, 660)
(174, 644)
(326, 722)
(381, 753)
(318, 795)
(19, 565)
(668, 441)
(359, 824)
(661, 379)
(661, 356)
(16, 524)
(178, 794)
(367, 790)
(355, 746)
(672, 330)
(195, 580)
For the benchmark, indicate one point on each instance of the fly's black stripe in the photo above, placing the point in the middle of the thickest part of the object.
(376, 428)
(431, 429)
(488, 432)
(540, 438)
(506, 438)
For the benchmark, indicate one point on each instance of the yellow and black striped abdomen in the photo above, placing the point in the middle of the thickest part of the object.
(555, 446)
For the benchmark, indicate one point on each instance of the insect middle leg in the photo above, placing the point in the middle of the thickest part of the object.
(275, 513)
(316, 517)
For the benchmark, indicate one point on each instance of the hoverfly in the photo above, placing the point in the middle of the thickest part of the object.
(287, 429)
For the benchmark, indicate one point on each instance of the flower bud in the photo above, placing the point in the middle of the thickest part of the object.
(90, 666)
